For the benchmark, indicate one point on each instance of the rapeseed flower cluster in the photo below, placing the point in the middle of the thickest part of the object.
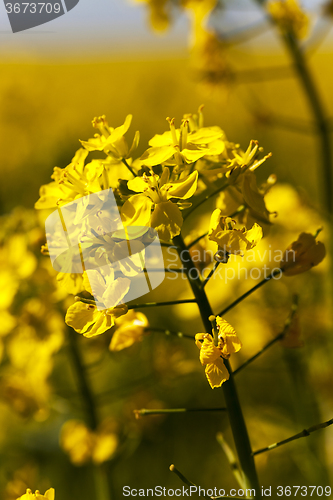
(159, 186)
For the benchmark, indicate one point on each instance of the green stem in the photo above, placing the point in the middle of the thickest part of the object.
(253, 358)
(155, 304)
(204, 283)
(84, 387)
(169, 332)
(100, 476)
(317, 108)
(207, 197)
(186, 481)
(253, 289)
(304, 433)
(128, 167)
(237, 421)
(144, 411)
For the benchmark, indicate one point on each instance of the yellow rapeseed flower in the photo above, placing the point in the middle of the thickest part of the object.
(183, 146)
(111, 140)
(154, 206)
(290, 17)
(211, 355)
(231, 240)
(48, 495)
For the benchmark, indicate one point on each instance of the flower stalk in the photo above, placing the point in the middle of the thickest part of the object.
(237, 422)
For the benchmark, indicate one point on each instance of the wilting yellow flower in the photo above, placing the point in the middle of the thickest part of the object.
(229, 239)
(302, 255)
(83, 445)
(211, 355)
(48, 495)
(157, 193)
(246, 193)
(111, 140)
(88, 320)
(181, 147)
(290, 17)
(130, 329)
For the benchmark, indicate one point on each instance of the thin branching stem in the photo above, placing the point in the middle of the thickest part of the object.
(162, 411)
(235, 413)
(264, 349)
(206, 198)
(156, 304)
(128, 167)
(317, 108)
(100, 477)
(169, 332)
(205, 281)
(186, 481)
(82, 379)
(315, 103)
(304, 433)
(276, 339)
(253, 289)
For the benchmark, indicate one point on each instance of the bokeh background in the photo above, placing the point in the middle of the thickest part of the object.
(104, 58)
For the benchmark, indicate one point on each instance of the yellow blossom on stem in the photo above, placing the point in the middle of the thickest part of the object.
(72, 182)
(111, 140)
(154, 207)
(88, 320)
(211, 355)
(230, 239)
(302, 255)
(182, 146)
(290, 17)
(48, 495)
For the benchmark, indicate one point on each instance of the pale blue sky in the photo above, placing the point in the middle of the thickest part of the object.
(110, 27)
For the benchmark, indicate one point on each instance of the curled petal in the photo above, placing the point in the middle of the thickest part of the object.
(216, 373)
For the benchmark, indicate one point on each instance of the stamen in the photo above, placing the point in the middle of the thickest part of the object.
(173, 131)
(201, 119)
(102, 125)
(184, 130)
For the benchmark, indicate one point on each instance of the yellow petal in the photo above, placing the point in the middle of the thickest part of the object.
(167, 220)
(138, 184)
(205, 135)
(137, 210)
(183, 188)
(157, 155)
(208, 352)
(192, 155)
(231, 342)
(131, 330)
(253, 235)
(216, 373)
(81, 316)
